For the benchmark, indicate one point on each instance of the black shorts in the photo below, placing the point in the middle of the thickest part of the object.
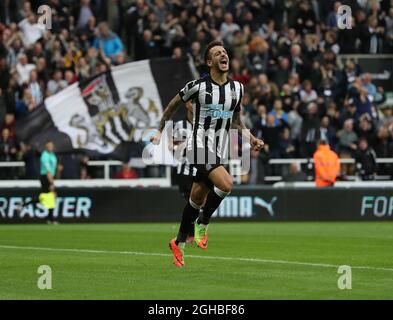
(203, 171)
(185, 185)
(44, 183)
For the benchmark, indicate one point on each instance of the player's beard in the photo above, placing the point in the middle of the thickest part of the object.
(219, 70)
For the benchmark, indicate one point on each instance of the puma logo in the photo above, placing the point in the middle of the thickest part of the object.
(267, 205)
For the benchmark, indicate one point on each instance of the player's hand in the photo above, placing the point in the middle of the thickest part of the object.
(156, 138)
(257, 144)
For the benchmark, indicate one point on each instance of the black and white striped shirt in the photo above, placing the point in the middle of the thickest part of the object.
(182, 130)
(213, 109)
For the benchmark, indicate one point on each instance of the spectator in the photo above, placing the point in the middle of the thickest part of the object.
(227, 29)
(307, 94)
(347, 138)
(326, 165)
(126, 173)
(310, 131)
(23, 69)
(35, 87)
(366, 163)
(8, 149)
(278, 112)
(295, 173)
(286, 146)
(107, 42)
(57, 83)
(31, 30)
(26, 105)
(327, 132)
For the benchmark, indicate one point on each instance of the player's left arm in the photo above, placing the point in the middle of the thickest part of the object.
(237, 123)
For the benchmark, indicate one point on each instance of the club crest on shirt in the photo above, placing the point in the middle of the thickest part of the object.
(233, 94)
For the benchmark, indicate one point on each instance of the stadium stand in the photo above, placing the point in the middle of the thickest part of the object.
(285, 52)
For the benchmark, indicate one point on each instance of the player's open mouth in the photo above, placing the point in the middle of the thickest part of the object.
(224, 63)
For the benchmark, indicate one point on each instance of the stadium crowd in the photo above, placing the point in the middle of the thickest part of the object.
(285, 52)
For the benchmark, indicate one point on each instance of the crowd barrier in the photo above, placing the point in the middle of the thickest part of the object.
(257, 203)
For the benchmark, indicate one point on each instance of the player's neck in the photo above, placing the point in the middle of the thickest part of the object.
(219, 77)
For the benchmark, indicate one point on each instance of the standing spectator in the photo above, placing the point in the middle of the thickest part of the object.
(32, 31)
(8, 152)
(327, 132)
(286, 146)
(83, 13)
(108, 42)
(26, 105)
(326, 165)
(35, 87)
(347, 138)
(278, 113)
(366, 160)
(23, 69)
(57, 83)
(227, 29)
(310, 131)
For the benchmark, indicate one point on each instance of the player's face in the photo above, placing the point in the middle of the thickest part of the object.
(219, 59)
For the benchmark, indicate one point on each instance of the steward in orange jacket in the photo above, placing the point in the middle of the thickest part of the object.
(326, 164)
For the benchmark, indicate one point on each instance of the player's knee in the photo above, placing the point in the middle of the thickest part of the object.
(197, 198)
(224, 189)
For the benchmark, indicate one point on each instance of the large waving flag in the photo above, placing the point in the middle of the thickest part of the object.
(104, 113)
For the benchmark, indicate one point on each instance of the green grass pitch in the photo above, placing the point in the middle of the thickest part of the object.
(243, 261)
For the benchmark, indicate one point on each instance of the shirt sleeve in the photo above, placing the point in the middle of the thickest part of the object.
(189, 91)
(239, 103)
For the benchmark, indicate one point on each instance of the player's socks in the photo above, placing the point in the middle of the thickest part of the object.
(213, 201)
(190, 213)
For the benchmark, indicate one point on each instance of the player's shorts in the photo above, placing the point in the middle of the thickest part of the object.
(44, 183)
(203, 171)
(185, 185)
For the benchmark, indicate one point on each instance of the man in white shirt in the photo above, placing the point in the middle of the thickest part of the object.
(23, 68)
(32, 31)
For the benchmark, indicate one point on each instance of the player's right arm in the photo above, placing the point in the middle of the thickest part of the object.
(189, 92)
(169, 111)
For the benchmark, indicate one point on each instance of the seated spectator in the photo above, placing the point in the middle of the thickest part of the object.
(108, 42)
(295, 173)
(126, 173)
(366, 160)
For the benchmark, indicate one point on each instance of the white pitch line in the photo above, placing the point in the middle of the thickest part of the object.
(310, 264)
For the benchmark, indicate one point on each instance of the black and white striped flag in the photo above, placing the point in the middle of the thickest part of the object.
(113, 108)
